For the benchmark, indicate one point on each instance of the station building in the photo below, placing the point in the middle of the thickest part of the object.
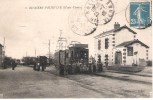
(119, 46)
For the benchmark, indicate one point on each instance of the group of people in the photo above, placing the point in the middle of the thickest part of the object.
(81, 67)
(11, 63)
(39, 65)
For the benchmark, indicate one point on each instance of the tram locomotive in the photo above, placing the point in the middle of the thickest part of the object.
(75, 59)
(41, 62)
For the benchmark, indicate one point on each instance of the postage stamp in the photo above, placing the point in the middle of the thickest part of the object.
(140, 14)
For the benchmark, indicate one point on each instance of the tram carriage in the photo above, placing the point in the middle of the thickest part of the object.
(41, 62)
(75, 59)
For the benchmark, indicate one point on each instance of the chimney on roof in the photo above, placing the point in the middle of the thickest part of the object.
(116, 25)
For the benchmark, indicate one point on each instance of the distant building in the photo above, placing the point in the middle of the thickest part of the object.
(1, 55)
(120, 47)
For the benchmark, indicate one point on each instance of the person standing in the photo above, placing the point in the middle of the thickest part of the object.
(13, 64)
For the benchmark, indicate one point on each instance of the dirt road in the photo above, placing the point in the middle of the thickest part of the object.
(23, 82)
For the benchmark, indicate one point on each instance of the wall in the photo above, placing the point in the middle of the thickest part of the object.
(140, 55)
(122, 36)
(104, 51)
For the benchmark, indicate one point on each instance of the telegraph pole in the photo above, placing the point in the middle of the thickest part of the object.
(49, 51)
(3, 51)
(4, 43)
(35, 52)
(26, 53)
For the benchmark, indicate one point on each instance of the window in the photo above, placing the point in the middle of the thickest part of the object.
(106, 43)
(130, 51)
(99, 58)
(67, 55)
(99, 44)
(106, 57)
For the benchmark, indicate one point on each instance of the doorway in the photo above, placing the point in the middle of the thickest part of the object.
(118, 57)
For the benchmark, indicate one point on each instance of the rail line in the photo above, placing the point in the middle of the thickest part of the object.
(129, 73)
(90, 86)
(86, 86)
(111, 77)
(123, 79)
(109, 93)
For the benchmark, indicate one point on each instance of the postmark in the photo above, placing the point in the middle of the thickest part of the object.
(79, 24)
(138, 14)
(99, 11)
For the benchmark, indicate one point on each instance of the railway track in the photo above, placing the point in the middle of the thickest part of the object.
(119, 76)
(129, 73)
(124, 78)
(101, 90)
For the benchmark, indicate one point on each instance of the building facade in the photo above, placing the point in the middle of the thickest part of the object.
(120, 47)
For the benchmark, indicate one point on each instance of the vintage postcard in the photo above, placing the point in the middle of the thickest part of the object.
(76, 49)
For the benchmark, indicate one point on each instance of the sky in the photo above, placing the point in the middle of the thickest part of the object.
(27, 30)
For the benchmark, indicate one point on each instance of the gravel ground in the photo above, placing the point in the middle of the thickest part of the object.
(114, 88)
(23, 82)
(147, 70)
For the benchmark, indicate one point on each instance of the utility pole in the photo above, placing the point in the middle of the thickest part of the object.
(26, 53)
(3, 51)
(49, 51)
(4, 47)
(35, 52)
(4, 43)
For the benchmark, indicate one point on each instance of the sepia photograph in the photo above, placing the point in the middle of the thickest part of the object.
(75, 49)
